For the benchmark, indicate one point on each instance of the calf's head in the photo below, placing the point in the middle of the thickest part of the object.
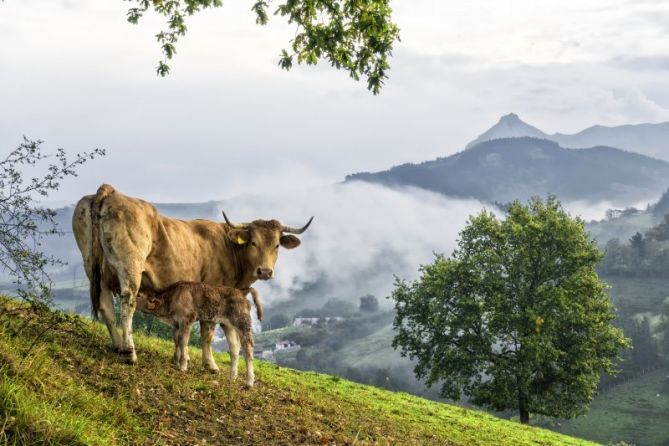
(147, 302)
(261, 240)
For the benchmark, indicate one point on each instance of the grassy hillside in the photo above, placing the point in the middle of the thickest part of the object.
(635, 412)
(621, 228)
(373, 350)
(61, 384)
(637, 295)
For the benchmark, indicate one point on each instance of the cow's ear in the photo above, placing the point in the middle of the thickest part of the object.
(289, 241)
(239, 236)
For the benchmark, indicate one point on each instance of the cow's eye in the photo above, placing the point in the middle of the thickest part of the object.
(276, 247)
(254, 244)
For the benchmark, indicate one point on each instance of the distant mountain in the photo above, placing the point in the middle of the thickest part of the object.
(509, 126)
(518, 168)
(648, 139)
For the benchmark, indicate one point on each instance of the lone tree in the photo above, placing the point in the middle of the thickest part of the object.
(368, 304)
(354, 35)
(517, 318)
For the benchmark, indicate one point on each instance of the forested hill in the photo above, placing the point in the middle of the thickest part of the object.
(518, 168)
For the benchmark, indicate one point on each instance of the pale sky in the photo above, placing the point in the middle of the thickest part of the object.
(228, 121)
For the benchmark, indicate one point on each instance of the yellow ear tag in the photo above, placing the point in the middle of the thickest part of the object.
(240, 240)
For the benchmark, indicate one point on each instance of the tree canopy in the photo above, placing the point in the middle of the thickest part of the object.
(517, 318)
(354, 35)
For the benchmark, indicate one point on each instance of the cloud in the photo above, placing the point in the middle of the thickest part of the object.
(227, 117)
(363, 235)
(643, 63)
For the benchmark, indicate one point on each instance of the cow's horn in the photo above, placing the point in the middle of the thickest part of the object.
(290, 230)
(237, 226)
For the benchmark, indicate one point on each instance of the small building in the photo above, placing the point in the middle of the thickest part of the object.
(299, 321)
(265, 355)
(285, 346)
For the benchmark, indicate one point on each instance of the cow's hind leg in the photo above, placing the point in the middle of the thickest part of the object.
(234, 344)
(129, 288)
(127, 312)
(107, 311)
(207, 330)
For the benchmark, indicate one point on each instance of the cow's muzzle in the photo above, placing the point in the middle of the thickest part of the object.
(264, 273)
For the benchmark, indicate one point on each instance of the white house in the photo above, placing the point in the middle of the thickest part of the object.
(315, 320)
(285, 346)
(266, 355)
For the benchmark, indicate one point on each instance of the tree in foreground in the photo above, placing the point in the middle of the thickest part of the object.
(354, 35)
(24, 221)
(517, 317)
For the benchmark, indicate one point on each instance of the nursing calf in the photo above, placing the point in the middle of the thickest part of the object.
(183, 303)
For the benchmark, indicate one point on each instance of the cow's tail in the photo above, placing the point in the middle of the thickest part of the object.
(256, 300)
(96, 248)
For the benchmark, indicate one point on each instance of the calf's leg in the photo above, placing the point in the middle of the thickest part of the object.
(176, 357)
(207, 330)
(233, 343)
(247, 345)
(183, 336)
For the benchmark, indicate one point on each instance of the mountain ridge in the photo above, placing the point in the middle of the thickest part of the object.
(650, 139)
(506, 169)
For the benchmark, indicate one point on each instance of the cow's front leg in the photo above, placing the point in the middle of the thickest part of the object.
(207, 330)
(127, 311)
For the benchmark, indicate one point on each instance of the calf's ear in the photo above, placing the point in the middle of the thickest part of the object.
(239, 236)
(289, 241)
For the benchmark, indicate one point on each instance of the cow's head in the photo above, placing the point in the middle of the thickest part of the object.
(261, 240)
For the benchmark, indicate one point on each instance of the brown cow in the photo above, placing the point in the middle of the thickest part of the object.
(127, 245)
(183, 303)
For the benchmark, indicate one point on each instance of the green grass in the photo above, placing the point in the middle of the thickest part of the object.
(638, 295)
(631, 412)
(69, 388)
(374, 350)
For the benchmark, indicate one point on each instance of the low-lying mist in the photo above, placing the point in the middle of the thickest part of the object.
(362, 236)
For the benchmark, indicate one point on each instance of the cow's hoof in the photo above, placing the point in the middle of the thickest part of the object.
(130, 356)
(213, 371)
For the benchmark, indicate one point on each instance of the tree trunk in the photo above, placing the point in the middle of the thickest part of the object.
(522, 408)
